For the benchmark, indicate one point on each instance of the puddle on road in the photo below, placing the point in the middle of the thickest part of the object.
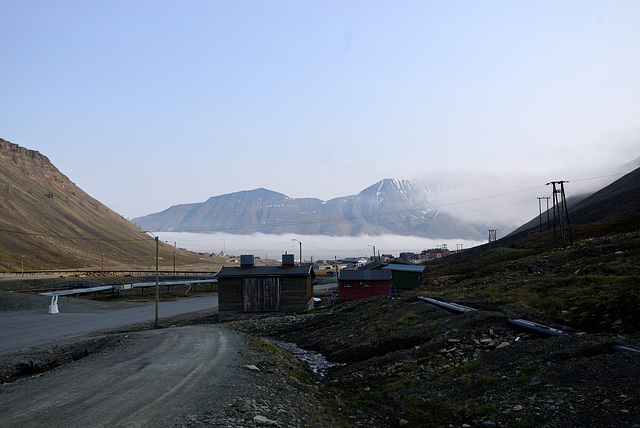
(317, 362)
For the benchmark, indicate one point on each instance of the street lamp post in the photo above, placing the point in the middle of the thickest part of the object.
(300, 250)
(157, 287)
(156, 325)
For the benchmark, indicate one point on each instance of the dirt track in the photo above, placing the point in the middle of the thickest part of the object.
(154, 379)
(184, 375)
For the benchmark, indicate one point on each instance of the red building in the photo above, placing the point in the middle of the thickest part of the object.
(360, 284)
(435, 253)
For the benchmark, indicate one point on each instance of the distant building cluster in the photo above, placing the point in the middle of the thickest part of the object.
(425, 255)
(356, 262)
(404, 257)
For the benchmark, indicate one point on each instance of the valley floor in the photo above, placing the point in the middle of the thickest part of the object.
(406, 363)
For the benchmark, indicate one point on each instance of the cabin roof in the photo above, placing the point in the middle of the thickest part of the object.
(263, 271)
(364, 275)
(405, 268)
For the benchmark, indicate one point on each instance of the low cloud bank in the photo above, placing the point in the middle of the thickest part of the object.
(313, 246)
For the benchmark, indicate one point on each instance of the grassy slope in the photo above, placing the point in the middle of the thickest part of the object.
(55, 225)
(591, 285)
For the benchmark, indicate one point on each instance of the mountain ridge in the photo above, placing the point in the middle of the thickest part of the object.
(390, 206)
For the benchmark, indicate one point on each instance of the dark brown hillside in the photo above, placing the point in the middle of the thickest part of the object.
(619, 199)
(55, 225)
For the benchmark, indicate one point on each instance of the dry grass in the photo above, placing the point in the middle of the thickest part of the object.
(591, 285)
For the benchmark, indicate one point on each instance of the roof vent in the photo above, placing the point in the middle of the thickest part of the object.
(287, 260)
(246, 261)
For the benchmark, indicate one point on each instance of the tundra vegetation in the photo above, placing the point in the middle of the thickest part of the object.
(410, 363)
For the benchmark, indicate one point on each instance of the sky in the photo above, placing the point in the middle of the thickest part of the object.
(150, 104)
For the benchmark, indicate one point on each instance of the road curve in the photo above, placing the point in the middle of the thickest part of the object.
(155, 379)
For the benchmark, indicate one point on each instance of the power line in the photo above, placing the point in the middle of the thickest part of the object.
(620, 174)
(79, 238)
(420, 214)
(342, 219)
(489, 196)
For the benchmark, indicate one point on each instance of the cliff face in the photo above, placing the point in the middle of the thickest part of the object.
(47, 222)
(22, 166)
(22, 156)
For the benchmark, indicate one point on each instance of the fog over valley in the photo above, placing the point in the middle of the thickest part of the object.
(313, 246)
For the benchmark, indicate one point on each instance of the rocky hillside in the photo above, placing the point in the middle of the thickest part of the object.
(391, 206)
(47, 222)
(407, 362)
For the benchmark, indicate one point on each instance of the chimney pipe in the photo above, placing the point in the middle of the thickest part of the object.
(246, 261)
(288, 260)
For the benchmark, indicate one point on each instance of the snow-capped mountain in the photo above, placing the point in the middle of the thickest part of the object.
(391, 206)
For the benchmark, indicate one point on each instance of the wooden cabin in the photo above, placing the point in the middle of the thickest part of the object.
(257, 289)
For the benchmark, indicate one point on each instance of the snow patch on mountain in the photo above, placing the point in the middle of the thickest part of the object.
(390, 206)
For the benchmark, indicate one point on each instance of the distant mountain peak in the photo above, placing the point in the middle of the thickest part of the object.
(391, 206)
(390, 191)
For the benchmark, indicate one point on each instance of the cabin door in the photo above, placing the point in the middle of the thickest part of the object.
(261, 294)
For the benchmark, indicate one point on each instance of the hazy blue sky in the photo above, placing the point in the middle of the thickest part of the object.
(148, 104)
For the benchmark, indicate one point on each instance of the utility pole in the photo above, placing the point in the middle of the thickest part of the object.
(560, 211)
(540, 198)
(459, 250)
(492, 236)
(157, 282)
(157, 286)
(548, 222)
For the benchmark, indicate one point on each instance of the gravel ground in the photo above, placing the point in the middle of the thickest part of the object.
(265, 385)
(410, 363)
(167, 377)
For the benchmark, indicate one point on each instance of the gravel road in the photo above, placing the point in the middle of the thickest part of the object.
(30, 328)
(181, 376)
(153, 379)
